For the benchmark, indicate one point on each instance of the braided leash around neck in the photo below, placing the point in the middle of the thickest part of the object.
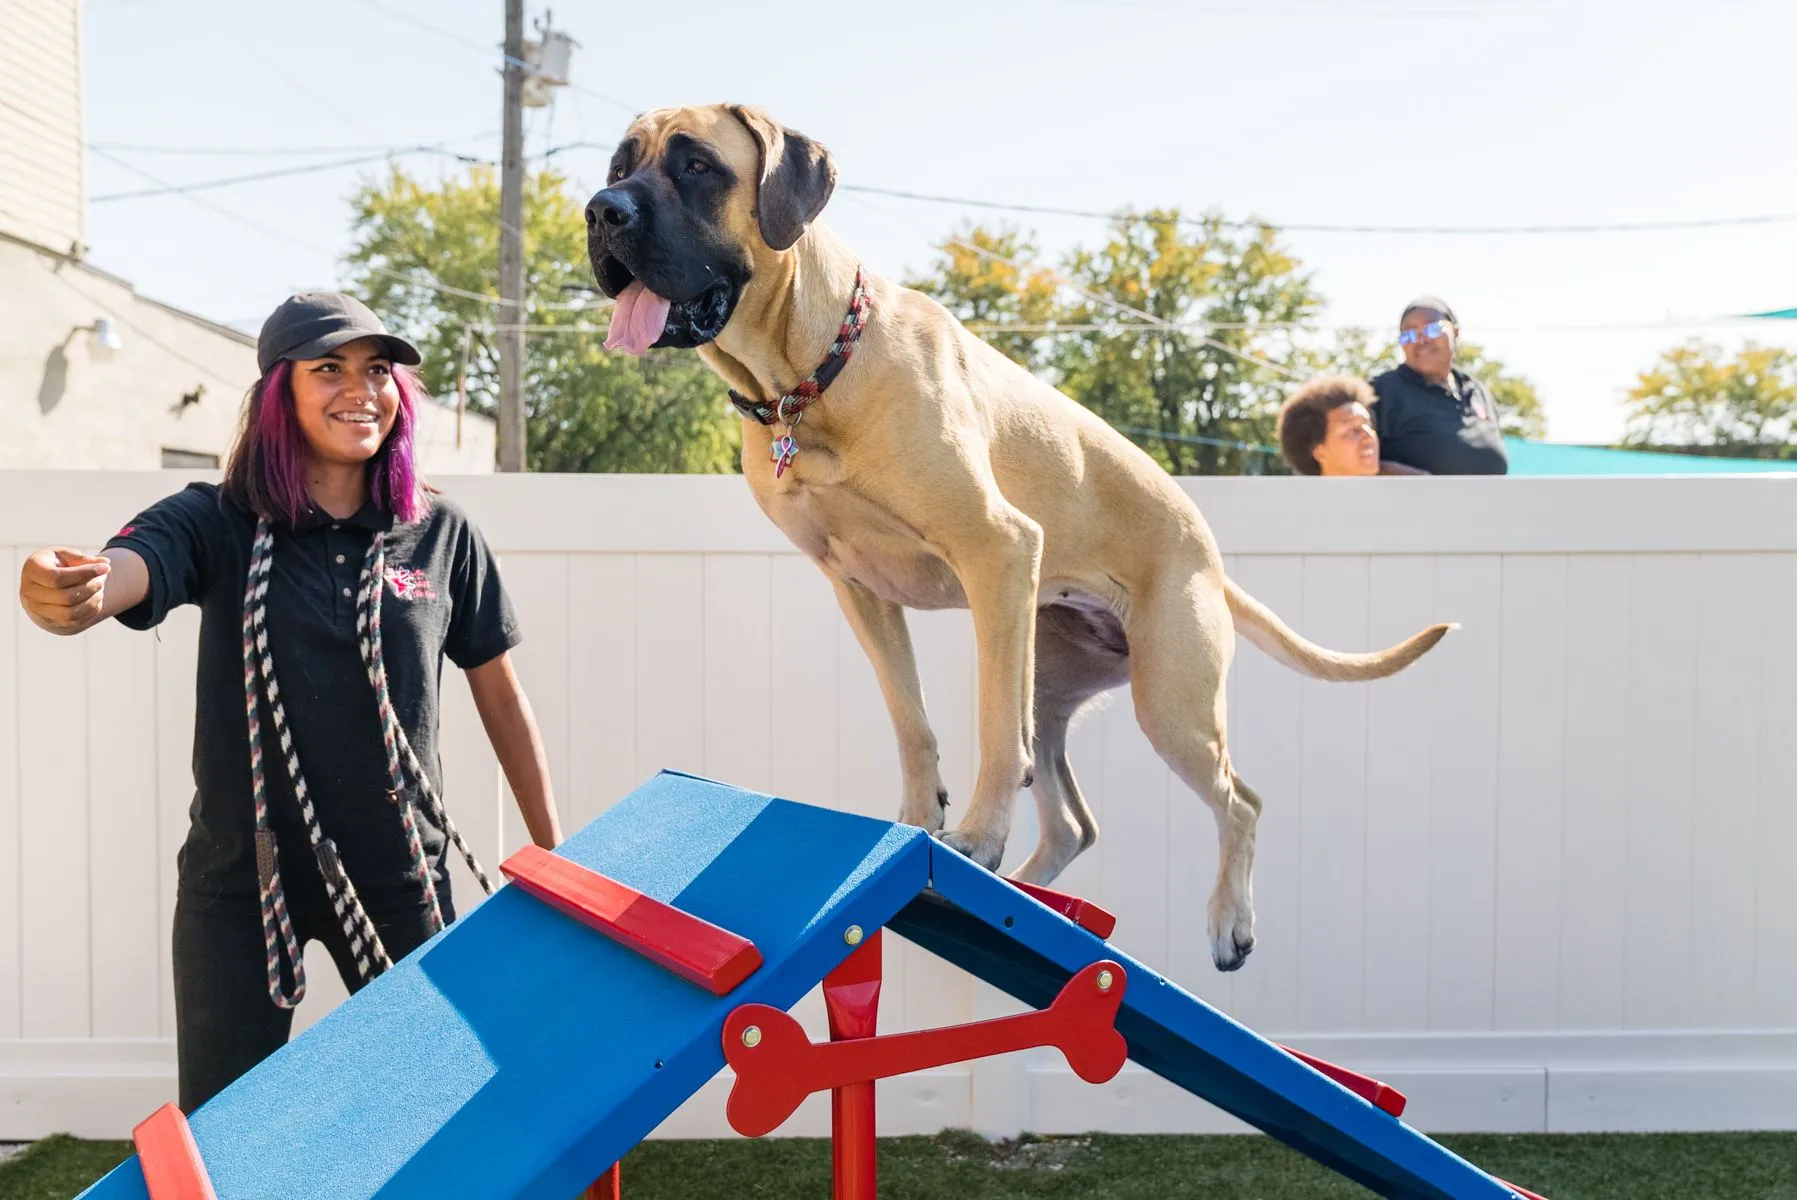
(393, 735)
(364, 942)
(258, 663)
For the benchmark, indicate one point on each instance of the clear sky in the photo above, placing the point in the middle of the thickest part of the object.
(1387, 112)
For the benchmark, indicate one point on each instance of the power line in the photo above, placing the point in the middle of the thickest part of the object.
(281, 173)
(1315, 227)
(1049, 329)
(137, 329)
(567, 146)
(504, 59)
(1106, 301)
(1196, 440)
(430, 282)
(319, 100)
(276, 151)
(433, 283)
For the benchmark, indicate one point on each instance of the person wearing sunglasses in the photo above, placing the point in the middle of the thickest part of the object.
(1430, 415)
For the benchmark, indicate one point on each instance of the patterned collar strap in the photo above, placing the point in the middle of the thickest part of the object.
(786, 410)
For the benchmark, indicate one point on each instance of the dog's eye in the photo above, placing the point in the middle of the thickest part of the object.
(697, 166)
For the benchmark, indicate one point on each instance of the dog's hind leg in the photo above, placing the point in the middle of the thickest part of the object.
(885, 637)
(1179, 698)
(1067, 826)
(1078, 655)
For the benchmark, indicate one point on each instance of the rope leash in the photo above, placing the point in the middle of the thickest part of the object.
(393, 735)
(258, 664)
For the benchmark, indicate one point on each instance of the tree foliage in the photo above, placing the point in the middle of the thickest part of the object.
(1697, 396)
(1178, 373)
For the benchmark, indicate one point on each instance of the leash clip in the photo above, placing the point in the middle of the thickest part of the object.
(780, 410)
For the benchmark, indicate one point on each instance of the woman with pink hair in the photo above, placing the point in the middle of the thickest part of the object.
(317, 812)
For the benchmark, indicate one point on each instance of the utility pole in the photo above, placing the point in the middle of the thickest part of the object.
(461, 383)
(511, 248)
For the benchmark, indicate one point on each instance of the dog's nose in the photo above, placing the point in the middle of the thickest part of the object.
(614, 207)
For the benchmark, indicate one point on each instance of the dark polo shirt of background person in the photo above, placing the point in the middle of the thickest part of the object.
(1437, 418)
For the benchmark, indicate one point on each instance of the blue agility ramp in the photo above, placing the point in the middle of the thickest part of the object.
(519, 1053)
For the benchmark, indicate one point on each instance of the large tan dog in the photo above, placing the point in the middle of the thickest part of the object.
(935, 473)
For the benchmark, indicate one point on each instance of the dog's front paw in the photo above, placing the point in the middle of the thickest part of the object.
(927, 811)
(1231, 936)
(986, 852)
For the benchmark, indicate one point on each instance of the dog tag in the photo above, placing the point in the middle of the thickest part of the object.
(782, 453)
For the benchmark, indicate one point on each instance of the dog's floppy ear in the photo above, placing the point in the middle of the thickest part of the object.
(797, 177)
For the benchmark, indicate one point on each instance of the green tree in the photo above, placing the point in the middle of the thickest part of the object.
(1360, 352)
(1218, 378)
(1196, 397)
(990, 278)
(586, 409)
(1696, 397)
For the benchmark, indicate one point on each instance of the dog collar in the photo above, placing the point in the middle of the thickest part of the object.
(788, 410)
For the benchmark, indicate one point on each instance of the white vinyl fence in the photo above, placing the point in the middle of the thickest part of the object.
(1547, 879)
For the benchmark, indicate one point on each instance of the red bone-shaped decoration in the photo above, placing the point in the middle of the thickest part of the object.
(777, 1066)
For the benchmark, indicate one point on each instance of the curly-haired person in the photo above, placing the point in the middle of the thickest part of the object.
(1326, 428)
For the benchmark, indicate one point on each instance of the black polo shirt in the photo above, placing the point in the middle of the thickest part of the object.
(443, 598)
(1438, 430)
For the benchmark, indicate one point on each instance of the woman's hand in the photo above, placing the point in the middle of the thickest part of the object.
(63, 590)
(66, 591)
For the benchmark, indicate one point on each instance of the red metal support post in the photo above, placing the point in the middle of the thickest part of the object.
(606, 1187)
(852, 999)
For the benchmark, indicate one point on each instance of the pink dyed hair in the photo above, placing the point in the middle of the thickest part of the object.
(267, 468)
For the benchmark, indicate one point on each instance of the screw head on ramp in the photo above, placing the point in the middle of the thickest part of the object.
(853, 935)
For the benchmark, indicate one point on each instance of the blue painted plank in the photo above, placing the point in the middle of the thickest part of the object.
(979, 922)
(519, 1053)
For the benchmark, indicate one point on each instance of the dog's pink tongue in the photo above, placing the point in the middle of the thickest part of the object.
(636, 320)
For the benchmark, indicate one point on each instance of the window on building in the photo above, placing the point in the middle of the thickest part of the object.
(187, 458)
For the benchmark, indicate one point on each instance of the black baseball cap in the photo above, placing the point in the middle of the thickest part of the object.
(1432, 304)
(312, 324)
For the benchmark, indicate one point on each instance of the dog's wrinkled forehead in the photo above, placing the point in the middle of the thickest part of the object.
(655, 134)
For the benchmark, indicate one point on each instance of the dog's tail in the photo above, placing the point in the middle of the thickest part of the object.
(1260, 625)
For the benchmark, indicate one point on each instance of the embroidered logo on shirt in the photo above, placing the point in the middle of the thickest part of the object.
(409, 584)
(127, 531)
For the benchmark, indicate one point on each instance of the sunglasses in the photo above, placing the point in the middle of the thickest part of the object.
(1432, 330)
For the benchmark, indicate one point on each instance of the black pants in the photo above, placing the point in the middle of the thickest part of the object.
(225, 1022)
